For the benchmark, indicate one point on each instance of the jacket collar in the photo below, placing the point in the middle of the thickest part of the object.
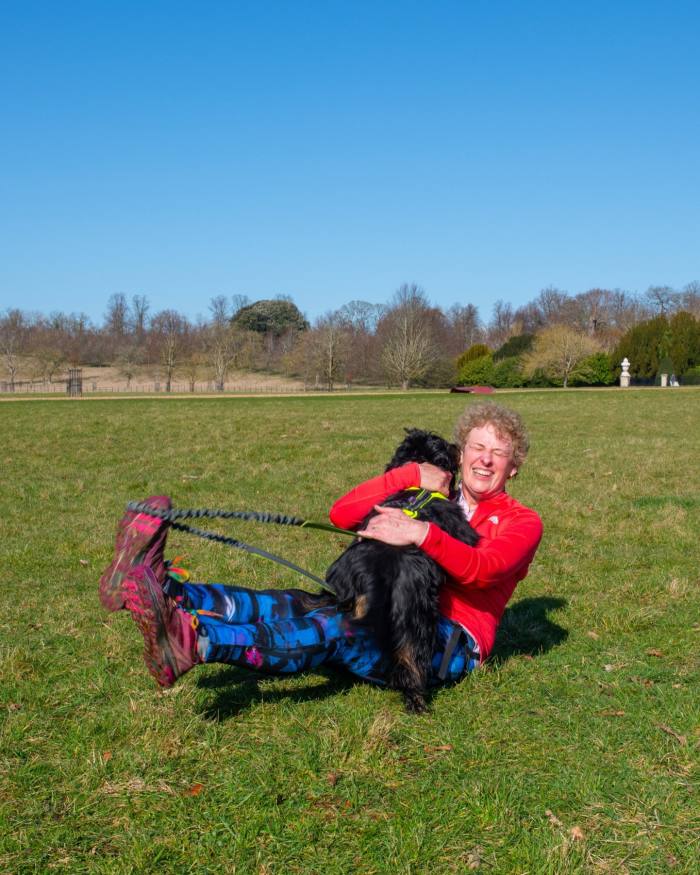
(486, 508)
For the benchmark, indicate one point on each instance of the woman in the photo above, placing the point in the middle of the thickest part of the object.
(280, 631)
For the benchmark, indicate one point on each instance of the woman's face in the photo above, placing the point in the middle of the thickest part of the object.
(487, 463)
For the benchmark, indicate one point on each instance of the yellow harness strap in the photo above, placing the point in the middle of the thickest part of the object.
(421, 500)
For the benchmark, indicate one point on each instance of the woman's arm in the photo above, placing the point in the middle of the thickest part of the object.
(493, 558)
(349, 511)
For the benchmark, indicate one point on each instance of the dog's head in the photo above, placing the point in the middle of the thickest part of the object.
(426, 446)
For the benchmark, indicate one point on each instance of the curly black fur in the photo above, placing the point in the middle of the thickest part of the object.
(395, 589)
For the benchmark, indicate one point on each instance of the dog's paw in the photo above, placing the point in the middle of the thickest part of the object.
(415, 703)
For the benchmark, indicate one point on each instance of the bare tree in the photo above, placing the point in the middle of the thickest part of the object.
(238, 302)
(590, 312)
(167, 331)
(76, 337)
(14, 328)
(194, 354)
(193, 367)
(502, 324)
(222, 342)
(552, 303)
(528, 319)
(139, 314)
(690, 298)
(117, 316)
(320, 354)
(604, 314)
(47, 347)
(221, 339)
(127, 362)
(557, 350)
(663, 300)
(220, 311)
(625, 310)
(409, 345)
(464, 324)
(330, 344)
(360, 319)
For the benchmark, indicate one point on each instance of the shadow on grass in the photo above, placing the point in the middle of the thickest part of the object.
(237, 689)
(526, 629)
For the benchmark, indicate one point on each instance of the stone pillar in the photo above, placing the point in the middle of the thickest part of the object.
(625, 375)
(664, 379)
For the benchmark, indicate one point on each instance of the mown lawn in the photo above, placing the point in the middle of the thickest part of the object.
(574, 750)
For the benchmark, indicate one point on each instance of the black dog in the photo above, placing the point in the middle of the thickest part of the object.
(395, 589)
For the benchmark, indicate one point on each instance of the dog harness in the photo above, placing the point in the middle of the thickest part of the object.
(422, 499)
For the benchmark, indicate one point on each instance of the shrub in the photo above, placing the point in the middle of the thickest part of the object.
(514, 346)
(692, 376)
(684, 348)
(476, 351)
(479, 371)
(508, 374)
(642, 345)
(595, 370)
(539, 380)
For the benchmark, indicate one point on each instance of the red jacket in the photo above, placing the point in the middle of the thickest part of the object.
(481, 579)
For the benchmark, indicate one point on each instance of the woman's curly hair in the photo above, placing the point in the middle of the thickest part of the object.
(506, 423)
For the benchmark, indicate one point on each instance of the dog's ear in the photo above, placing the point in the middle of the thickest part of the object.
(426, 446)
(409, 450)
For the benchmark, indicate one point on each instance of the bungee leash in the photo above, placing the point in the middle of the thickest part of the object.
(172, 517)
(249, 515)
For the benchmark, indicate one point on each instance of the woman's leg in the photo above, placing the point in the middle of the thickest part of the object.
(456, 653)
(177, 639)
(325, 637)
(237, 604)
(285, 646)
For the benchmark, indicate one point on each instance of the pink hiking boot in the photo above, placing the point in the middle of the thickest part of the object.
(140, 540)
(169, 633)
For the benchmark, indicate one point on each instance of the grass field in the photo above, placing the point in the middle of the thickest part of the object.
(575, 749)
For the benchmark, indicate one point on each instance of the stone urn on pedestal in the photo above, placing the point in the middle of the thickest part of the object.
(625, 375)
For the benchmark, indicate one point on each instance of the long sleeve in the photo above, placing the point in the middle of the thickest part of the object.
(349, 511)
(505, 555)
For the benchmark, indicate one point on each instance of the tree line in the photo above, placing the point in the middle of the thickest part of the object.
(555, 339)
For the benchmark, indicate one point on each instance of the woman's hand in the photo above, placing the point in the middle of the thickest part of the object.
(392, 526)
(434, 478)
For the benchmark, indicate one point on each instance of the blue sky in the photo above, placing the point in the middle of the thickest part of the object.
(331, 151)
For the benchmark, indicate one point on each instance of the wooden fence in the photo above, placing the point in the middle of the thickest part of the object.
(93, 387)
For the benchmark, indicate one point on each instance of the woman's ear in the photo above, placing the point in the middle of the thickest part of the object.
(513, 472)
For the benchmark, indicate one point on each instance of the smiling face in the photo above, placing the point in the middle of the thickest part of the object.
(487, 463)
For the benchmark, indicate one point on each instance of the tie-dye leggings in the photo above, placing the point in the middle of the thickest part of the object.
(274, 631)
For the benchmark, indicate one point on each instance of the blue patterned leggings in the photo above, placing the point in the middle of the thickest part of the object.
(274, 631)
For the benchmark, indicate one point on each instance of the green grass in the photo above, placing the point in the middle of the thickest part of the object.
(589, 709)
